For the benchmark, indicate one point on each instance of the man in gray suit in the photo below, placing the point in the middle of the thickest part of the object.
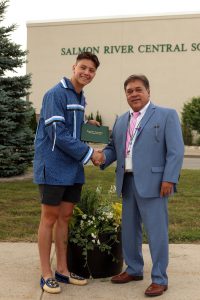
(149, 157)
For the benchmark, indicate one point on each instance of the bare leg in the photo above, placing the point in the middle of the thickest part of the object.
(49, 216)
(61, 236)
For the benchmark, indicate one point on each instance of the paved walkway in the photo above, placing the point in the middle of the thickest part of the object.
(20, 273)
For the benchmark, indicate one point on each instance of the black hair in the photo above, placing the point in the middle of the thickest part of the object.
(141, 77)
(90, 56)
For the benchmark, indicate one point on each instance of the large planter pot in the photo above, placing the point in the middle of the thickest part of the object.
(99, 264)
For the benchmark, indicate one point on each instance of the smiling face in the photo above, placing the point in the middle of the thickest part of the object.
(83, 73)
(137, 94)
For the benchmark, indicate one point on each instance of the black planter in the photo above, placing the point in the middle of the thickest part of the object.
(99, 264)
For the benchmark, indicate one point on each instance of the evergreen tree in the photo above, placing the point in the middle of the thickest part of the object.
(16, 136)
(91, 116)
(98, 118)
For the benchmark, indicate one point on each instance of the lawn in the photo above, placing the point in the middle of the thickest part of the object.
(20, 207)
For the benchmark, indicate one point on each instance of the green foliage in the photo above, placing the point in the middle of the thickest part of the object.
(11, 55)
(187, 135)
(16, 136)
(90, 117)
(97, 118)
(90, 201)
(198, 141)
(191, 114)
(95, 223)
(33, 121)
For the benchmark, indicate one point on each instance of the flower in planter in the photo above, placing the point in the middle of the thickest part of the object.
(96, 222)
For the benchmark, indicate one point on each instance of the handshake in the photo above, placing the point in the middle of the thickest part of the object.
(98, 157)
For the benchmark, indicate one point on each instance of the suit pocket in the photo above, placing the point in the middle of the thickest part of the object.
(157, 169)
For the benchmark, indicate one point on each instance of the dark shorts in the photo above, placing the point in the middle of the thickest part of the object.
(54, 194)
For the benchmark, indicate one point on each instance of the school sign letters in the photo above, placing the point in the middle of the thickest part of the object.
(131, 49)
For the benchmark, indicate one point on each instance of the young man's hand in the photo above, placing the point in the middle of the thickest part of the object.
(93, 122)
(98, 157)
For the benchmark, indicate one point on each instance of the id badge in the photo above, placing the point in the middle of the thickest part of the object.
(128, 162)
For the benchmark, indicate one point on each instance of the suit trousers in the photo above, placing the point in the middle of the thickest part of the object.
(153, 214)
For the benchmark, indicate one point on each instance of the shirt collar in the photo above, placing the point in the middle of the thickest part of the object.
(66, 83)
(143, 110)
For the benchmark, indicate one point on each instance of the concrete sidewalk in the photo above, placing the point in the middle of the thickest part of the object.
(20, 274)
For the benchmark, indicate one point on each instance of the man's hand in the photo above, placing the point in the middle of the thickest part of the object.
(93, 122)
(98, 157)
(166, 189)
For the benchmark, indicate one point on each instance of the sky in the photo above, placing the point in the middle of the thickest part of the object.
(22, 11)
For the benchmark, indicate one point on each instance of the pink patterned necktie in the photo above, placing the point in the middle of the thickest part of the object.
(131, 129)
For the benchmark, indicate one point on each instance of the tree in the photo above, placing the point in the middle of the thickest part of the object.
(191, 114)
(16, 136)
(90, 117)
(187, 135)
(98, 118)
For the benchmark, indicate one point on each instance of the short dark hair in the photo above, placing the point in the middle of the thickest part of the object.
(90, 56)
(141, 77)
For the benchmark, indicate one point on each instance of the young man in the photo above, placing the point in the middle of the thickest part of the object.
(58, 166)
(148, 146)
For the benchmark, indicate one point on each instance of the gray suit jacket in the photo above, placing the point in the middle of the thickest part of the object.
(157, 152)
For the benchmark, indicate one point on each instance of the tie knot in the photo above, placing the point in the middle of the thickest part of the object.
(136, 114)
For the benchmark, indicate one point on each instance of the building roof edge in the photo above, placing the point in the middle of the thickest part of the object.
(111, 19)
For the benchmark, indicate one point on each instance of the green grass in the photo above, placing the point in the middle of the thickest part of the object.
(20, 206)
(20, 211)
(184, 209)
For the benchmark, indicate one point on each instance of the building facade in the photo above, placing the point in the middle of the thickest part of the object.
(164, 48)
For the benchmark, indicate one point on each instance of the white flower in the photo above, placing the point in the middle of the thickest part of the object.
(110, 215)
(84, 217)
(112, 189)
(99, 189)
(93, 241)
(93, 235)
(90, 222)
(98, 242)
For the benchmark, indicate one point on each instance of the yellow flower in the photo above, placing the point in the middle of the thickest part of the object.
(117, 212)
